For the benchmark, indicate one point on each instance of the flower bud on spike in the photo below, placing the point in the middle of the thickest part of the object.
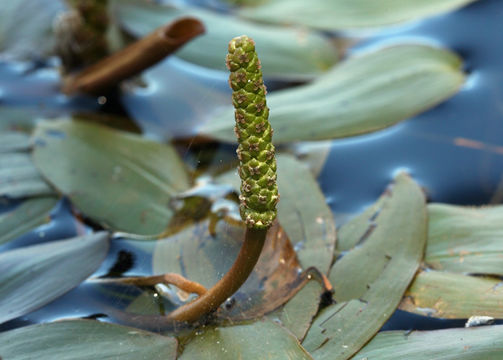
(257, 164)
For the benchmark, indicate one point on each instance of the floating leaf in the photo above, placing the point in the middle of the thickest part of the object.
(302, 212)
(284, 52)
(364, 94)
(20, 38)
(460, 344)
(205, 258)
(33, 276)
(298, 313)
(348, 14)
(371, 279)
(453, 296)
(259, 340)
(25, 217)
(84, 340)
(20, 178)
(465, 240)
(121, 180)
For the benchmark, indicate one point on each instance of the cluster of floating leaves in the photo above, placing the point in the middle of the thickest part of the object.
(399, 253)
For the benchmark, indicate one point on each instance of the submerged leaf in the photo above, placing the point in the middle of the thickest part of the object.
(465, 240)
(459, 344)
(25, 217)
(370, 280)
(454, 296)
(284, 52)
(33, 276)
(259, 340)
(205, 258)
(84, 340)
(348, 14)
(363, 94)
(121, 180)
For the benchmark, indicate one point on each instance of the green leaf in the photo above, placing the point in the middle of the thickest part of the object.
(289, 53)
(85, 340)
(348, 14)
(121, 180)
(363, 94)
(20, 178)
(451, 344)
(25, 217)
(298, 313)
(465, 240)
(23, 39)
(259, 340)
(33, 276)
(453, 296)
(370, 280)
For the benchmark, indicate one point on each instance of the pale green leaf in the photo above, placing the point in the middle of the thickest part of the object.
(33, 276)
(259, 340)
(348, 14)
(121, 180)
(370, 280)
(465, 240)
(454, 296)
(284, 52)
(84, 340)
(26, 27)
(451, 344)
(25, 217)
(363, 94)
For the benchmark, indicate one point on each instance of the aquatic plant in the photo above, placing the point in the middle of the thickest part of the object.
(257, 169)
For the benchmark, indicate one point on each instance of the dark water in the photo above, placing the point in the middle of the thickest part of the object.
(454, 150)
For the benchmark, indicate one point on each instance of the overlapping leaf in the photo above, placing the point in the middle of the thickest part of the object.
(454, 296)
(262, 339)
(465, 240)
(22, 38)
(25, 217)
(459, 344)
(84, 340)
(370, 280)
(284, 52)
(363, 94)
(33, 276)
(348, 14)
(121, 180)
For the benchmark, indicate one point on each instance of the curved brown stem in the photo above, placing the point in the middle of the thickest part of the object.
(135, 58)
(229, 284)
(168, 279)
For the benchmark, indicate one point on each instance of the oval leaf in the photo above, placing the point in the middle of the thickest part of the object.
(460, 344)
(363, 94)
(121, 180)
(33, 276)
(284, 52)
(371, 279)
(84, 340)
(348, 14)
(260, 340)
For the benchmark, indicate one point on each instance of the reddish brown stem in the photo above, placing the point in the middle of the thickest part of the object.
(168, 279)
(133, 59)
(229, 284)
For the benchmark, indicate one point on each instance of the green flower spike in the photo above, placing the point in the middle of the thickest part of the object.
(257, 168)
